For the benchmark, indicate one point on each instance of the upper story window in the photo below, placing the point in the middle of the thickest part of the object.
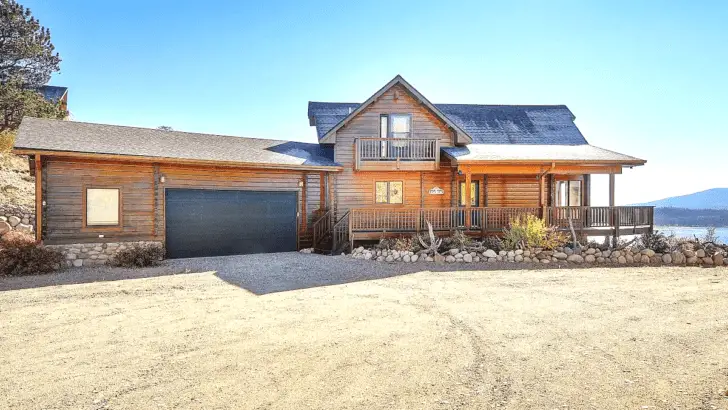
(395, 126)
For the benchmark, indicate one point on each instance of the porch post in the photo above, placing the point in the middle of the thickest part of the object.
(611, 189)
(615, 216)
(304, 203)
(322, 191)
(468, 197)
(542, 198)
(38, 199)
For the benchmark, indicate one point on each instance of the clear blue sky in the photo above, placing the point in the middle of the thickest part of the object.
(646, 78)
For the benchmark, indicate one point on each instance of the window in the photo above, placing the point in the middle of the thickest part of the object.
(388, 192)
(568, 193)
(474, 193)
(400, 125)
(102, 206)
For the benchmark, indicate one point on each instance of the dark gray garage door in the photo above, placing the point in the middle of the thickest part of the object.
(202, 222)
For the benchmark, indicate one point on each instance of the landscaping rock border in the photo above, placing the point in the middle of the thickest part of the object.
(585, 255)
(91, 254)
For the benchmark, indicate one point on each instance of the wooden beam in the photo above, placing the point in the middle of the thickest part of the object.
(520, 169)
(38, 199)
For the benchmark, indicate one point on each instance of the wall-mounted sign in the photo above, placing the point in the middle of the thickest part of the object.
(437, 191)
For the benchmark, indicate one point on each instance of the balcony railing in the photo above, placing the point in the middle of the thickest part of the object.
(603, 220)
(397, 153)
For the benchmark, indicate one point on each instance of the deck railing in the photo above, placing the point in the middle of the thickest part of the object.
(493, 220)
(322, 227)
(341, 232)
(397, 149)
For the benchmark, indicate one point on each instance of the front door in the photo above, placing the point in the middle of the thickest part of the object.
(474, 202)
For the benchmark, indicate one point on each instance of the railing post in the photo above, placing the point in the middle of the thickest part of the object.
(418, 222)
(351, 231)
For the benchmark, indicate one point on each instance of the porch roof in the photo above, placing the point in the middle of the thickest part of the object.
(583, 153)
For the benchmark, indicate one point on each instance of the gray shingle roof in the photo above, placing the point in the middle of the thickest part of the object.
(71, 136)
(52, 93)
(486, 124)
(539, 153)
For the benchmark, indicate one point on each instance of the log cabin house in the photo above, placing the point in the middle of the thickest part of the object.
(383, 167)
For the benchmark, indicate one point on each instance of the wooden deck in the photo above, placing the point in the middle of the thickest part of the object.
(374, 223)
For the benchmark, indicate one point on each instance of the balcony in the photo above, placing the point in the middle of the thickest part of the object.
(397, 154)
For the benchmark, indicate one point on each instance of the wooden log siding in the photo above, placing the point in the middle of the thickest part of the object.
(143, 208)
(64, 200)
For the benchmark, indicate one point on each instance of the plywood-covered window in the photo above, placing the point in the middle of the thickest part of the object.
(389, 192)
(102, 206)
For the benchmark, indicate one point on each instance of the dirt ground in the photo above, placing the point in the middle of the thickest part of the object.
(600, 338)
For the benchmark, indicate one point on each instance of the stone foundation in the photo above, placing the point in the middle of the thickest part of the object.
(92, 254)
(16, 218)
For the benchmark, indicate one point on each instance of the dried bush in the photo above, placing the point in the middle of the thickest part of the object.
(530, 231)
(138, 256)
(20, 255)
(15, 236)
(493, 242)
(431, 244)
(457, 240)
(710, 235)
(657, 241)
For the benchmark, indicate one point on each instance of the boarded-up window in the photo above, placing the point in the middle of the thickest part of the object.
(388, 192)
(102, 206)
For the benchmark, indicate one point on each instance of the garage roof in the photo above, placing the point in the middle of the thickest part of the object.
(70, 136)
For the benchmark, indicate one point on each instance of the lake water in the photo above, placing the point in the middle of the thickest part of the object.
(679, 231)
(690, 231)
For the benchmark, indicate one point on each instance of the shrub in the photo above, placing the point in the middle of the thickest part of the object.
(457, 240)
(138, 256)
(19, 255)
(530, 231)
(493, 242)
(401, 244)
(657, 241)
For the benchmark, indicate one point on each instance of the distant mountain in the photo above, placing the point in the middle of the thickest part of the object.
(716, 198)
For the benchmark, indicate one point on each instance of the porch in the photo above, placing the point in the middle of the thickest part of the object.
(372, 223)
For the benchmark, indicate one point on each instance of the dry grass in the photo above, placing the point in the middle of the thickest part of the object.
(588, 338)
(17, 187)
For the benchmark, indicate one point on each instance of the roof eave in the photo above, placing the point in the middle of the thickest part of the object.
(635, 162)
(171, 160)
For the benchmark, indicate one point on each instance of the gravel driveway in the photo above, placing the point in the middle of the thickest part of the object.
(263, 333)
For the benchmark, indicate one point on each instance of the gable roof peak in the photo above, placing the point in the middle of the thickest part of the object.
(330, 136)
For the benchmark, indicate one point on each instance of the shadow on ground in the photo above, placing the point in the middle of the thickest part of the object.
(263, 273)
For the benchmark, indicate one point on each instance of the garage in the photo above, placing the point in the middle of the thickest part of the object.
(202, 222)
